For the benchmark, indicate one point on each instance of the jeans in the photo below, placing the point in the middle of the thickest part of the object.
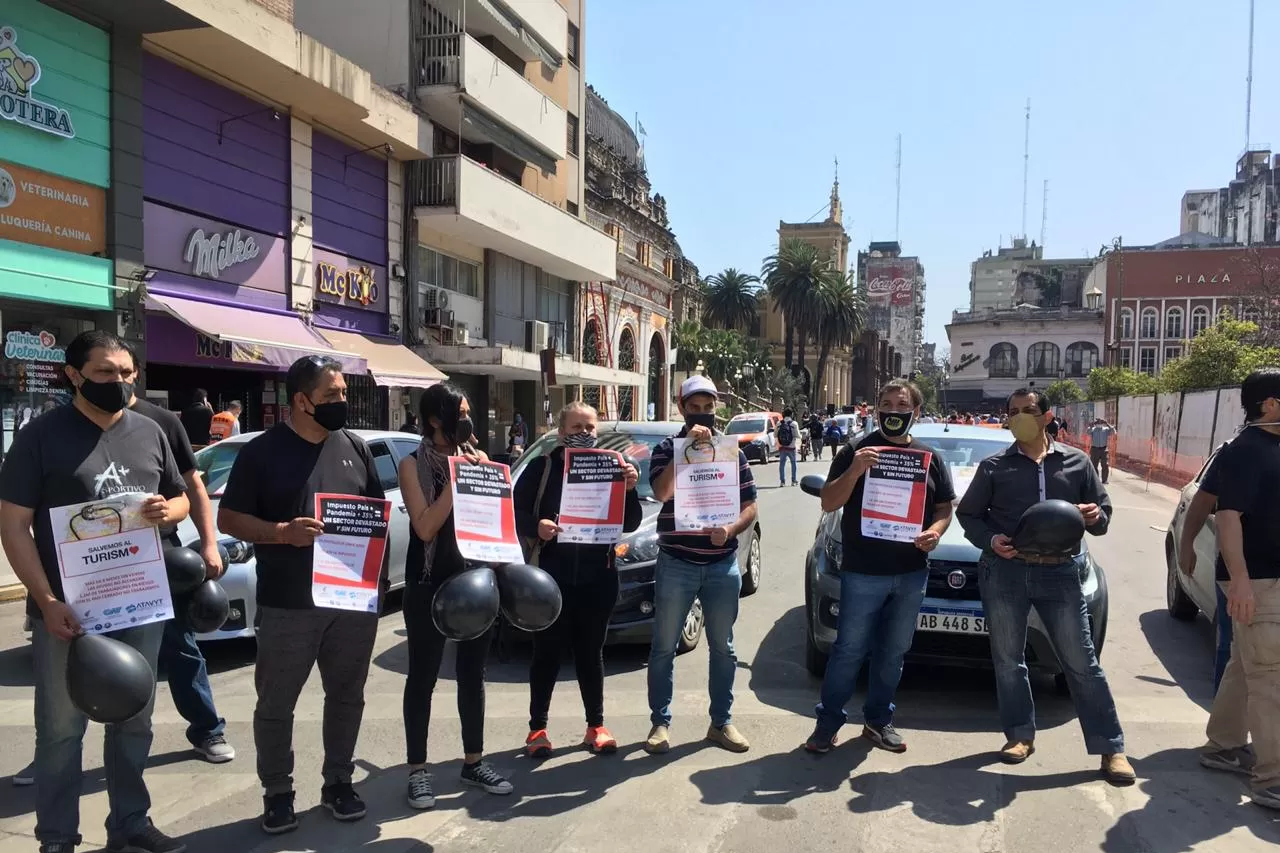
(1010, 588)
(784, 454)
(1223, 620)
(877, 621)
(60, 729)
(188, 678)
(676, 584)
(582, 627)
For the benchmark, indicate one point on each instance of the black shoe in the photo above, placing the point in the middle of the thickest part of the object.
(342, 801)
(482, 775)
(148, 840)
(421, 795)
(57, 847)
(885, 737)
(277, 814)
(820, 742)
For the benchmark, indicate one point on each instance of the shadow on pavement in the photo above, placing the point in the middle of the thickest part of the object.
(317, 831)
(770, 782)
(1185, 650)
(16, 666)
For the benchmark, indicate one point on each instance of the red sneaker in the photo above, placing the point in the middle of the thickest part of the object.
(537, 744)
(598, 740)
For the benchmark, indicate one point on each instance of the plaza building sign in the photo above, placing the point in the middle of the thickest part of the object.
(19, 73)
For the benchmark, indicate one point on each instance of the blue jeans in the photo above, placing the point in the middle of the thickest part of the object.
(784, 454)
(1010, 588)
(676, 584)
(877, 621)
(184, 667)
(60, 729)
(1223, 620)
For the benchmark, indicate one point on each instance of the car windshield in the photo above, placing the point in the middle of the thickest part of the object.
(962, 456)
(744, 426)
(638, 448)
(214, 464)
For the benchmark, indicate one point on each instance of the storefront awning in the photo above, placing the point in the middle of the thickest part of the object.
(390, 364)
(270, 340)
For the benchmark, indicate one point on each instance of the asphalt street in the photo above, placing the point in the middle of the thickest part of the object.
(946, 793)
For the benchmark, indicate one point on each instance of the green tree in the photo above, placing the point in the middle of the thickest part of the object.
(929, 389)
(792, 276)
(1064, 391)
(1220, 355)
(841, 317)
(787, 391)
(1107, 382)
(688, 338)
(731, 299)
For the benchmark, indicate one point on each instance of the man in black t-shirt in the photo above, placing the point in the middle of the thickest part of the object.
(1248, 570)
(270, 502)
(883, 579)
(197, 418)
(87, 451)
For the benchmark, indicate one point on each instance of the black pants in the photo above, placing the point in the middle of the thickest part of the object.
(1098, 456)
(426, 649)
(582, 626)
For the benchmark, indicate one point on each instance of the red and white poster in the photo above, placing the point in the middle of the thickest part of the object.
(890, 282)
(594, 498)
(484, 517)
(347, 558)
(893, 496)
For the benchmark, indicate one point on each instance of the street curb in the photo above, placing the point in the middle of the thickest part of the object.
(13, 592)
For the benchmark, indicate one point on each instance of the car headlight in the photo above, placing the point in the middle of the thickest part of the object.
(761, 441)
(638, 548)
(237, 551)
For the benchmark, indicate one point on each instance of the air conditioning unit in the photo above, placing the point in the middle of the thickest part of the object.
(461, 334)
(435, 297)
(439, 318)
(537, 335)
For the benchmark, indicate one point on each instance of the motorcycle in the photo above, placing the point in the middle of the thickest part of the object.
(804, 445)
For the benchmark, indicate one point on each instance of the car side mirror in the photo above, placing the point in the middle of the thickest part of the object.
(811, 484)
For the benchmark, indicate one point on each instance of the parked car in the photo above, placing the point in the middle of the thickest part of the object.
(637, 553)
(1187, 596)
(241, 579)
(756, 433)
(951, 628)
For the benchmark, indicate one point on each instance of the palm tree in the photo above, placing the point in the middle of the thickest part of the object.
(688, 339)
(841, 318)
(792, 277)
(731, 299)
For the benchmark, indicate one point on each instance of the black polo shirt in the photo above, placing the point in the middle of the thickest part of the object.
(1244, 476)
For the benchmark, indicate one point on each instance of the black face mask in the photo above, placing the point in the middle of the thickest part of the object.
(894, 424)
(463, 430)
(707, 420)
(111, 397)
(331, 416)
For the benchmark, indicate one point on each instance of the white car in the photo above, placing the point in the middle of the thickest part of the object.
(241, 579)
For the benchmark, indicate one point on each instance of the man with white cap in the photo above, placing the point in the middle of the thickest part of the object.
(700, 565)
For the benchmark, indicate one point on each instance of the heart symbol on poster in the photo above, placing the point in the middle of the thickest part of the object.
(719, 475)
(47, 340)
(133, 549)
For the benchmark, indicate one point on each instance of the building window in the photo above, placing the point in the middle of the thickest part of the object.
(1170, 353)
(1173, 323)
(1199, 320)
(1124, 357)
(1147, 360)
(627, 361)
(1251, 315)
(575, 39)
(1126, 323)
(572, 207)
(614, 230)
(1082, 356)
(644, 253)
(440, 270)
(1003, 361)
(1149, 327)
(1042, 359)
(571, 127)
(669, 267)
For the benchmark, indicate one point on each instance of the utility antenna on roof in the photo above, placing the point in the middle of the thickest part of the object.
(897, 202)
(1248, 87)
(1026, 165)
(1044, 212)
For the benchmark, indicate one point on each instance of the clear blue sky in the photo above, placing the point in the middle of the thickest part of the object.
(746, 102)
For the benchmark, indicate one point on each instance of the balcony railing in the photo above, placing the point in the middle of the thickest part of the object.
(439, 187)
(437, 60)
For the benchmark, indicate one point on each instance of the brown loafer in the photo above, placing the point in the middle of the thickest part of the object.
(1017, 751)
(1116, 768)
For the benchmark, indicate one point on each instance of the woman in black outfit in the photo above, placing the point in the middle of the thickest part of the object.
(432, 559)
(588, 584)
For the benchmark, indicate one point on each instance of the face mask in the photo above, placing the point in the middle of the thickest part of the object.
(331, 416)
(895, 425)
(1025, 427)
(463, 431)
(707, 420)
(579, 440)
(111, 397)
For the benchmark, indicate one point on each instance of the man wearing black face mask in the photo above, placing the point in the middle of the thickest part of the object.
(270, 502)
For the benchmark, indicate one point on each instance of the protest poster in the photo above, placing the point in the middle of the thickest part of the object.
(346, 561)
(593, 498)
(484, 518)
(706, 484)
(893, 496)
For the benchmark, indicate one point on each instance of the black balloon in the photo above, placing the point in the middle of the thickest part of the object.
(208, 607)
(466, 605)
(185, 568)
(1050, 528)
(225, 556)
(110, 682)
(531, 598)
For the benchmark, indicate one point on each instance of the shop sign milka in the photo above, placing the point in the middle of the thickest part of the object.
(19, 73)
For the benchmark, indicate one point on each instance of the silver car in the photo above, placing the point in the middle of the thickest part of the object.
(241, 579)
(1187, 596)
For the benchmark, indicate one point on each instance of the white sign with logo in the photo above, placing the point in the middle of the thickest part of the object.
(19, 73)
(707, 487)
(210, 255)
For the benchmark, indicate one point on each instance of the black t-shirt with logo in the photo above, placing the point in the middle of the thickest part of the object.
(1244, 477)
(179, 444)
(276, 477)
(196, 420)
(64, 458)
(869, 556)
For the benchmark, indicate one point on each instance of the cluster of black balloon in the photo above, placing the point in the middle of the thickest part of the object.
(1051, 528)
(467, 604)
(110, 681)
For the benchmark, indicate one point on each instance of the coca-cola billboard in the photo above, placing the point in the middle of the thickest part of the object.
(890, 282)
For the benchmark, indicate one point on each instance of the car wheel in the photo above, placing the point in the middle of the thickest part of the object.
(691, 634)
(1180, 605)
(751, 573)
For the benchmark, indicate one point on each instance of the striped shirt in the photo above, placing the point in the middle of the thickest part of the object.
(690, 546)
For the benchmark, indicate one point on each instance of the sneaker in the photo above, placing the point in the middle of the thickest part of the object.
(277, 814)
(598, 740)
(728, 737)
(57, 847)
(27, 776)
(482, 775)
(215, 749)
(820, 743)
(659, 740)
(537, 744)
(1117, 769)
(147, 840)
(886, 737)
(1267, 797)
(421, 796)
(1238, 760)
(342, 801)
(1017, 751)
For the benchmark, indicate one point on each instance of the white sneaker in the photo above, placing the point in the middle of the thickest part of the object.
(215, 750)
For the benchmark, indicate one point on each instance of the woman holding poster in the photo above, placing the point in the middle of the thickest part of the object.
(433, 558)
(575, 504)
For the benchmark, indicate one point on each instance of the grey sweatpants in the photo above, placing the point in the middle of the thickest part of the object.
(290, 643)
